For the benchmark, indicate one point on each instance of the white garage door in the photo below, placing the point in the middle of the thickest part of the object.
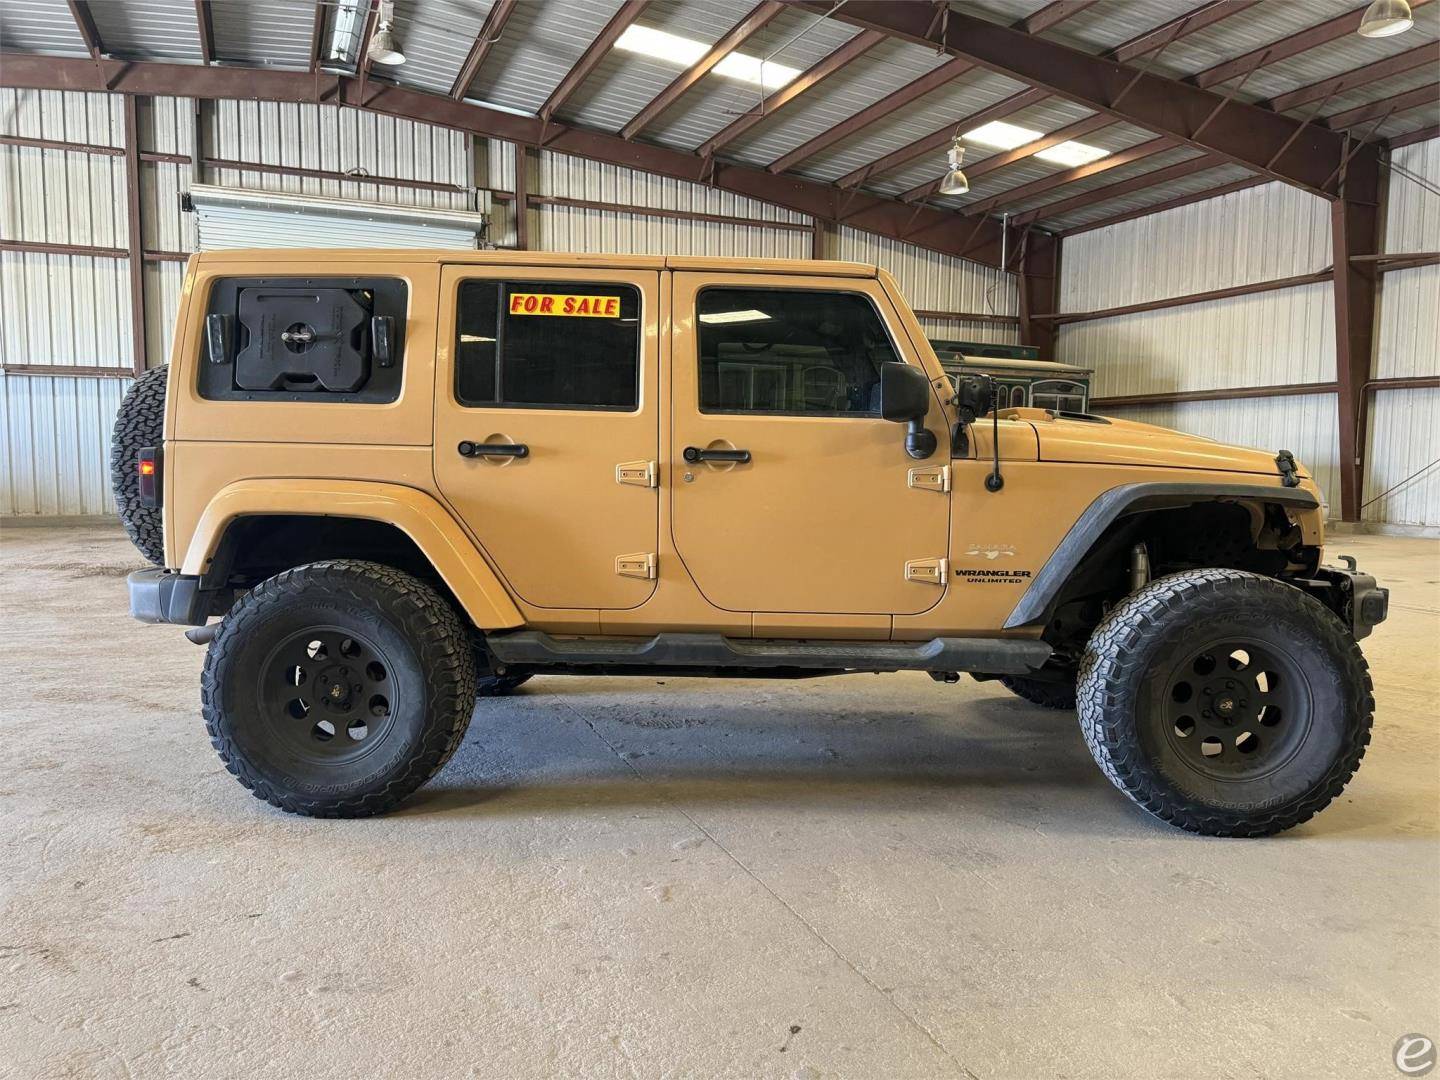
(231, 217)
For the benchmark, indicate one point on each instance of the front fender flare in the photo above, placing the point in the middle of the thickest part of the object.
(418, 515)
(1034, 605)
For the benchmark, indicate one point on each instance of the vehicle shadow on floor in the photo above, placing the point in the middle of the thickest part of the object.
(995, 757)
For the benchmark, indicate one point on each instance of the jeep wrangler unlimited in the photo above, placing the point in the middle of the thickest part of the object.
(405, 479)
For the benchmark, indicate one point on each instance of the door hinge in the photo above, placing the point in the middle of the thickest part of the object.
(928, 571)
(641, 565)
(930, 477)
(644, 474)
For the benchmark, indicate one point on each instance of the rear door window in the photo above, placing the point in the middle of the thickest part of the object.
(547, 345)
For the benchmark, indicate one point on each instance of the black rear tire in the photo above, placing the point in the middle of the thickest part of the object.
(338, 688)
(1048, 695)
(1225, 703)
(140, 422)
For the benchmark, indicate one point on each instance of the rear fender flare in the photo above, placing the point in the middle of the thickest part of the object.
(418, 515)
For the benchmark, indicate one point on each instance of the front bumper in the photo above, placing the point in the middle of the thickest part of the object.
(164, 596)
(1352, 595)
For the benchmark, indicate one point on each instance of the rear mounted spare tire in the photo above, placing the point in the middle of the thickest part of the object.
(139, 423)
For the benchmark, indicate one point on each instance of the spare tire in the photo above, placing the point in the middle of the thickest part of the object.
(139, 423)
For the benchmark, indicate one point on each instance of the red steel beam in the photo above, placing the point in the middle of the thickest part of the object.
(1424, 55)
(1179, 170)
(317, 36)
(1355, 232)
(598, 50)
(1169, 204)
(85, 23)
(1342, 26)
(1410, 137)
(135, 232)
(1048, 16)
(490, 31)
(1176, 28)
(1236, 130)
(755, 20)
(891, 103)
(1375, 110)
(206, 27)
(1127, 156)
(945, 231)
(817, 73)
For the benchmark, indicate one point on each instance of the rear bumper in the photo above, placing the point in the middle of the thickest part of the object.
(163, 596)
(1352, 595)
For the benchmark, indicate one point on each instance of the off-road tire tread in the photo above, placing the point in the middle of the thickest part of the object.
(444, 653)
(1111, 671)
(1048, 695)
(139, 422)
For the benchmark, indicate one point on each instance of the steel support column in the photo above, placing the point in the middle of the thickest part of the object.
(1355, 231)
(1039, 283)
(136, 243)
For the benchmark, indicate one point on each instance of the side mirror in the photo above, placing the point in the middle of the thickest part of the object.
(905, 399)
(904, 393)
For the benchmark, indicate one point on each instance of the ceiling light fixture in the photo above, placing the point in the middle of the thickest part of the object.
(680, 51)
(1385, 18)
(1071, 154)
(1001, 136)
(384, 49)
(955, 182)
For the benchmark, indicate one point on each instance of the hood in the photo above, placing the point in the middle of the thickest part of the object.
(1104, 440)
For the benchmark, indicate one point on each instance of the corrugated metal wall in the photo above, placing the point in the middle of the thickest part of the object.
(61, 309)
(1404, 426)
(66, 309)
(1263, 339)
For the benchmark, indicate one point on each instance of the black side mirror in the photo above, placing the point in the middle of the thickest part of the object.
(905, 399)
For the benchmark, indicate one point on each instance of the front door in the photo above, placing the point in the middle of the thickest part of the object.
(547, 427)
(821, 513)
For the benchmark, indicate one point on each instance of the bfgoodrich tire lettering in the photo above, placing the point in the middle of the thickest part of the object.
(1208, 660)
(140, 422)
(338, 688)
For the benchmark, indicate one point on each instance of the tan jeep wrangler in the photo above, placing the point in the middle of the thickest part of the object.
(405, 478)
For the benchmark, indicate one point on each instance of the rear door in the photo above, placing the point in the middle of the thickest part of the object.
(547, 427)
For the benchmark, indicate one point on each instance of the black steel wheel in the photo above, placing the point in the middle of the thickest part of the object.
(325, 694)
(338, 688)
(1225, 703)
(1239, 709)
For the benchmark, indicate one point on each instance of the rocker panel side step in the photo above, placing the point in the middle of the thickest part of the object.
(1001, 656)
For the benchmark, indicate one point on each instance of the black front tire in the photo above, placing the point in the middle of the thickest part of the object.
(338, 688)
(1225, 703)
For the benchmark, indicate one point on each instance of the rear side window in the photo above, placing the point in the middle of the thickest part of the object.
(790, 352)
(304, 339)
(543, 344)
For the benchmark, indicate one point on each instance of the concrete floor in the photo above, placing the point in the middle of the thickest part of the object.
(874, 876)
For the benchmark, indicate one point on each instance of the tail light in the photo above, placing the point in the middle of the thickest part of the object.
(148, 466)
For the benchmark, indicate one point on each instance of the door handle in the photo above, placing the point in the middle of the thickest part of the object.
(694, 454)
(470, 449)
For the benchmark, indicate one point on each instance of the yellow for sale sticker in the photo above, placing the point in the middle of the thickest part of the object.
(589, 307)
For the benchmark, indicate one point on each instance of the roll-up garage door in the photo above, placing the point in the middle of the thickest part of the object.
(240, 218)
